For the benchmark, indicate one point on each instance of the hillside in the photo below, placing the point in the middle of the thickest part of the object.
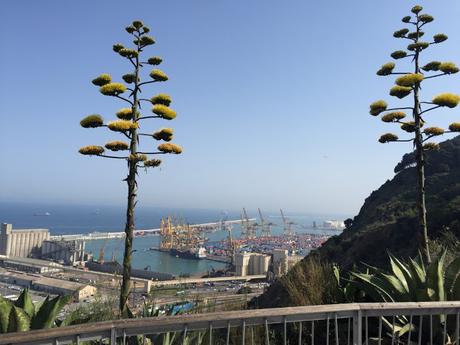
(386, 222)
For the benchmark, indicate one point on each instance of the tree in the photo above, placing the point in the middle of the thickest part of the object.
(410, 83)
(128, 124)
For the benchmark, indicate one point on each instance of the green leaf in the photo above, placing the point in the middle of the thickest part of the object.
(25, 302)
(373, 287)
(19, 321)
(46, 315)
(5, 308)
(435, 279)
(411, 284)
(452, 274)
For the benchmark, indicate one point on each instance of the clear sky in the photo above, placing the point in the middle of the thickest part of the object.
(272, 99)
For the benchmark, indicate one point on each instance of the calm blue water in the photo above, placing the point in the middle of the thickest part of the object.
(68, 219)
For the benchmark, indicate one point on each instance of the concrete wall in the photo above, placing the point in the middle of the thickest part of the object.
(251, 264)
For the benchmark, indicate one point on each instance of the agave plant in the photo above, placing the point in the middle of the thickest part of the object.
(411, 281)
(23, 315)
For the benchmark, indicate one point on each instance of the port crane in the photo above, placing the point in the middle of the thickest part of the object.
(266, 227)
(287, 229)
(248, 228)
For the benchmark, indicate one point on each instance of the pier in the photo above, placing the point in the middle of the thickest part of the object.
(147, 232)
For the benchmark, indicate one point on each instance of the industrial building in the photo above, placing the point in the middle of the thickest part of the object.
(30, 265)
(280, 262)
(66, 252)
(251, 264)
(21, 242)
(49, 285)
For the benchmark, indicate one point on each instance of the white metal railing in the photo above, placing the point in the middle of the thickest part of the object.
(354, 323)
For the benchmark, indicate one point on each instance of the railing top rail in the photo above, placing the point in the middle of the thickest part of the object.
(232, 318)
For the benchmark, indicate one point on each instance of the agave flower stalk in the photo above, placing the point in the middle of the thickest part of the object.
(128, 124)
(410, 83)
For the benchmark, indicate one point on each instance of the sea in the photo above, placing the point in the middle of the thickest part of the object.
(76, 219)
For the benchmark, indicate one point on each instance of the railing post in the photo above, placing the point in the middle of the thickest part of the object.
(357, 327)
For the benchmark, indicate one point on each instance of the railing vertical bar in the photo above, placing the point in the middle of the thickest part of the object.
(327, 330)
(300, 333)
(143, 339)
(124, 336)
(56, 341)
(349, 331)
(444, 331)
(313, 333)
(336, 330)
(457, 331)
(77, 339)
(243, 341)
(252, 335)
(431, 329)
(357, 328)
(267, 335)
(184, 340)
(366, 321)
(380, 330)
(420, 326)
(285, 331)
(410, 328)
(393, 331)
(210, 333)
(113, 336)
(228, 334)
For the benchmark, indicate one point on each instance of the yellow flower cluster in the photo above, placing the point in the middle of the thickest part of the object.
(155, 60)
(91, 150)
(92, 121)
(165, 134)
(129, 78)
(121, 125)
(161, 98)
(448, 67)
(128, 53)
(447, 99)
(438, 38)
(117, 146)
(164, 111)
(425, 18)
(388, 137)
(139, 157)
(399, 54)
(409, 79)
(400, 33)
(400, 91)
(147, 40)
(102, 79)
(414, 35)
(433, 131)
(386, 69)
(454, 127)
(432, 66)
(431, 146)
(158, 75)
(170, 148)
(112, 89)
(416, 9)
(152, 163)
(377, 107)
(418, 46)
(125, 114)
(408, 126)
(393, 116)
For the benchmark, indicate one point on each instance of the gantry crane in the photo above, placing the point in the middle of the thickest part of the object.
(287, 230)
(248, 228)
(266, 227)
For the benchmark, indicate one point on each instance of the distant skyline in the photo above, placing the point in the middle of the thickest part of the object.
(272, 100)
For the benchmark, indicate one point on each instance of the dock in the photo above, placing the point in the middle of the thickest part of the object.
(146, 232)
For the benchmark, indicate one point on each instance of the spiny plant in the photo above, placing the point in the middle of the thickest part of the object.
(408, 83)
(23, 315)
(128, 124)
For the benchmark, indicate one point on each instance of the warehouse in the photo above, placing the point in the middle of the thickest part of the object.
(21, 242)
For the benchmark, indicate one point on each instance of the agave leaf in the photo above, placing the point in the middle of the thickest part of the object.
(24, 302)
(435, 279)
(5, 309)
(393, 283)
(372, 286)
(452, 274)
(402, 272)
(19, 321)
(456, 290)
(46, 315)
(417, 270)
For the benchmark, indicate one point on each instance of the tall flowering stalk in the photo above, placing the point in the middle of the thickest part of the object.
(128, 124)
(410, 83)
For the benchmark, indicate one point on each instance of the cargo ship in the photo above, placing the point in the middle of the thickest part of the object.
(180, 240)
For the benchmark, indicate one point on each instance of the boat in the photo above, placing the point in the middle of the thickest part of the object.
(198, 254)
(46, 214)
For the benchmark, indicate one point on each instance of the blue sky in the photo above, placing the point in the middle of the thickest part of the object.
(272, 99)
